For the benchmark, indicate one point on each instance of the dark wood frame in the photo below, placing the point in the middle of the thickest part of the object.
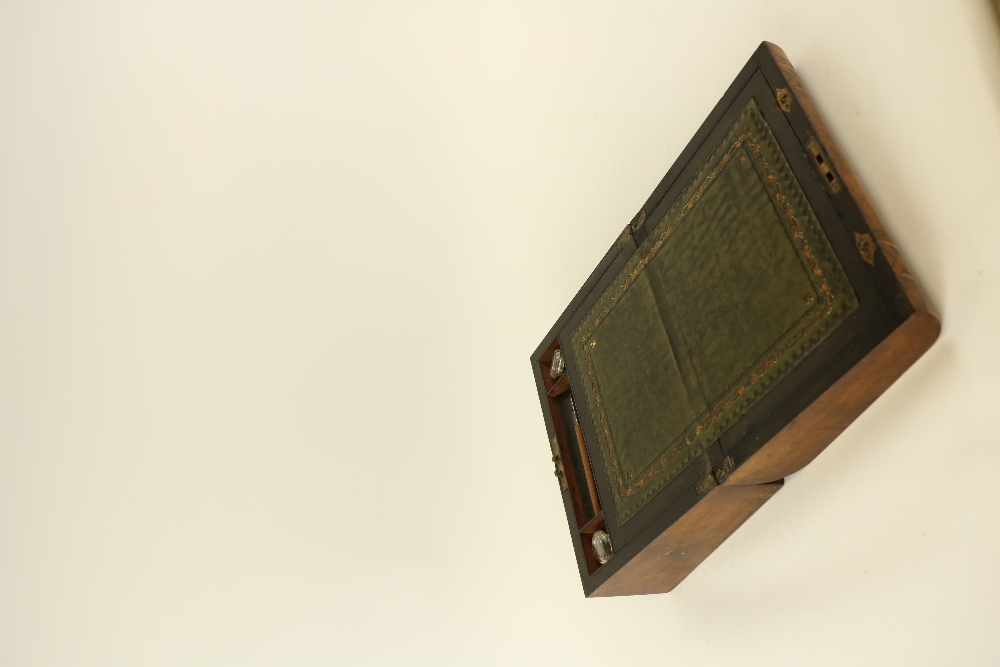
(802, 414)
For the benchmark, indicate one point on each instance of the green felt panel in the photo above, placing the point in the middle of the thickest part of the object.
(647, 378)
(731, 289)
(733, 239)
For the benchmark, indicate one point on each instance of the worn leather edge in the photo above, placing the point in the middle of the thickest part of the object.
(906, 280)
(672, 556)
(803, 438)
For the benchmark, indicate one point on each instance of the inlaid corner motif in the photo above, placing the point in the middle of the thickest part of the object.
(825, 301)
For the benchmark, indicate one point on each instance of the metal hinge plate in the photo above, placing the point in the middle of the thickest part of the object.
(716, 477)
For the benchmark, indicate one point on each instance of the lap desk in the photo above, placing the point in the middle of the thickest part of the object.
(752, 309)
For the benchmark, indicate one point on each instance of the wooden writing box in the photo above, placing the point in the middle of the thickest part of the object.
(749, 312)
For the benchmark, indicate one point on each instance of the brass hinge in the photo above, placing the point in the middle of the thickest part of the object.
(560, 471)
(716, 477)
(639, 218)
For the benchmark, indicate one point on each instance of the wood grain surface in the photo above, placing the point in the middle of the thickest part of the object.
(668, 559)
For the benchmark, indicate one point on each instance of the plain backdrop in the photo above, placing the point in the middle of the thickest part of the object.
(270, 273)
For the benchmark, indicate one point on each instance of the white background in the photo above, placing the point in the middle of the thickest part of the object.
(270, 274)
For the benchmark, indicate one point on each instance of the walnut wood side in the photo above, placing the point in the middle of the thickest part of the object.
(816, 427)
(672, 556)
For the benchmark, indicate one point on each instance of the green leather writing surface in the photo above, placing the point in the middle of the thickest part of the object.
(732, 288)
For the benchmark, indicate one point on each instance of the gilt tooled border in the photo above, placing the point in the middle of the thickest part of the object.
(805, 252)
